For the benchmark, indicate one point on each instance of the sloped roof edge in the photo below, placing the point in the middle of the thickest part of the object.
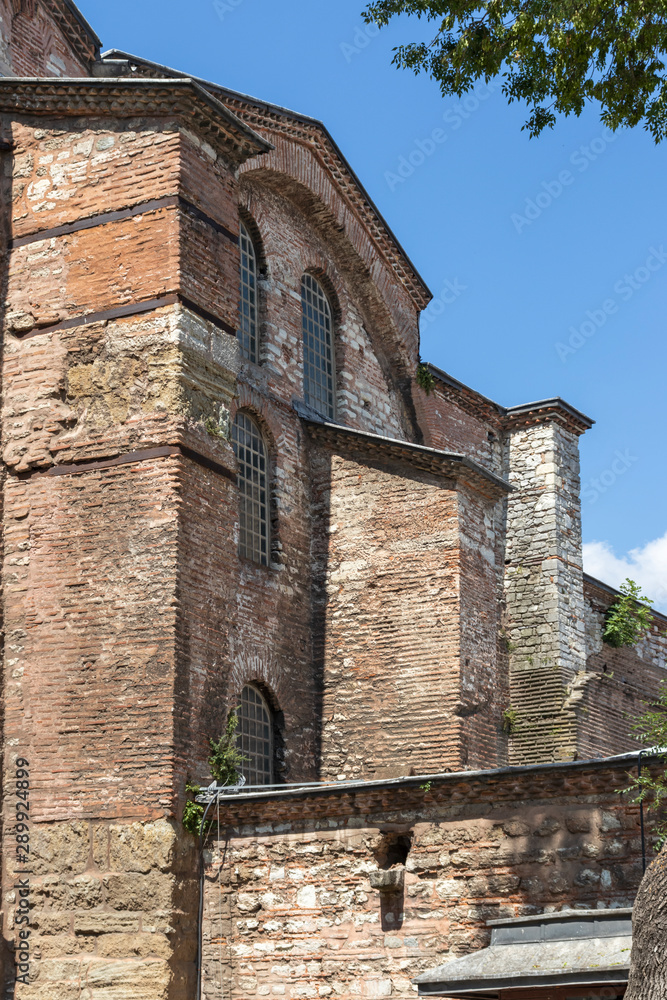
(607, 587)
(266, 106)
(423, 456)
(569, 948)
(76, 13)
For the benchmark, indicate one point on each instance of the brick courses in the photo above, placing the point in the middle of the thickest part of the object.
(44, 40)
(408, 600)
(290, 908)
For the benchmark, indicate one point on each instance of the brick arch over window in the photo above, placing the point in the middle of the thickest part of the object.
(389, 313)
(303, 164)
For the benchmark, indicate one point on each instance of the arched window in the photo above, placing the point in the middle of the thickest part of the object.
(318, 362)
(255, 737)
(252, 481)
(247, 331)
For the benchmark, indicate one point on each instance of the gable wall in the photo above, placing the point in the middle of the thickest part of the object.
(34, 44)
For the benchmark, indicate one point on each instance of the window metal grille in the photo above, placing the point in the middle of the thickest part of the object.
(253, 493)
(318, 364)
(247, 331)
(254, 737)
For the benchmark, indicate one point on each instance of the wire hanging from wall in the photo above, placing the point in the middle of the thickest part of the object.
(220, 859)
(208, 796)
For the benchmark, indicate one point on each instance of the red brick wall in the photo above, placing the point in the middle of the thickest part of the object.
(619, 684)
(302, 167)
(89, 571)
(403, 686)
(369, 392)
(484, 686)
(42, 39)
(70, 173)
(461, 422)
(241, 623)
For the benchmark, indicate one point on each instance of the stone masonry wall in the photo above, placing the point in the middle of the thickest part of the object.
(290, 906)
(545, 628)
(95, 412)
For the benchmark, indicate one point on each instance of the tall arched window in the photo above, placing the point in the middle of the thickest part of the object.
(252, 480)
(255, 737)
(247, 331)
(318, 361)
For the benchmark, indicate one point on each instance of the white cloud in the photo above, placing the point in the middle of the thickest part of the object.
(647, 566)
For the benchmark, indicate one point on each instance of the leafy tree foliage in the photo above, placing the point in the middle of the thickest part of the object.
(648, 969)
(224, 762)
(555, 56)
(651, 730)
(629, 618)
(226, 758)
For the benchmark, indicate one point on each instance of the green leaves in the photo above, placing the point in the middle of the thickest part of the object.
(651, 730)
(226, 758)
(557, 57)
(424, 378)
(629, 618)
(224, 762)
(193, 813)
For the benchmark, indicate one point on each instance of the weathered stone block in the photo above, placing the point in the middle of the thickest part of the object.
(105, 923)
(139, 892)
(60, 847)
(139, 847)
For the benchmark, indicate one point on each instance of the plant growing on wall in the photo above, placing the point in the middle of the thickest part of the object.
(510, 716)
(224, 761)
(651, 730)
(629, 617)
(424, 377)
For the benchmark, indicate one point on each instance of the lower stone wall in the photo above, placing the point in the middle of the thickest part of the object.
(292, 909)
(113, 913)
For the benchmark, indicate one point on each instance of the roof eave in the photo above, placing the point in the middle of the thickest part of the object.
(249, 142)
(296, 116)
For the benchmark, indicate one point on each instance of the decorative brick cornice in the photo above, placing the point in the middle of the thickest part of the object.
(129, 98)
(313, 133)
(512, 417)
(75, 29)
(546, 411)
(373, 446)
(532, 782)
(469, 400)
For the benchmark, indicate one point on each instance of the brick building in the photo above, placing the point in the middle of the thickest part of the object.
(222, 485)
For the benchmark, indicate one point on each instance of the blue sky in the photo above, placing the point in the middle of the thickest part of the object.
(556, 247)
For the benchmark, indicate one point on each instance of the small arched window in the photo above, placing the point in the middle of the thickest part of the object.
(255, 737)
(250, 452)
(247, 331)
(318, 361)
